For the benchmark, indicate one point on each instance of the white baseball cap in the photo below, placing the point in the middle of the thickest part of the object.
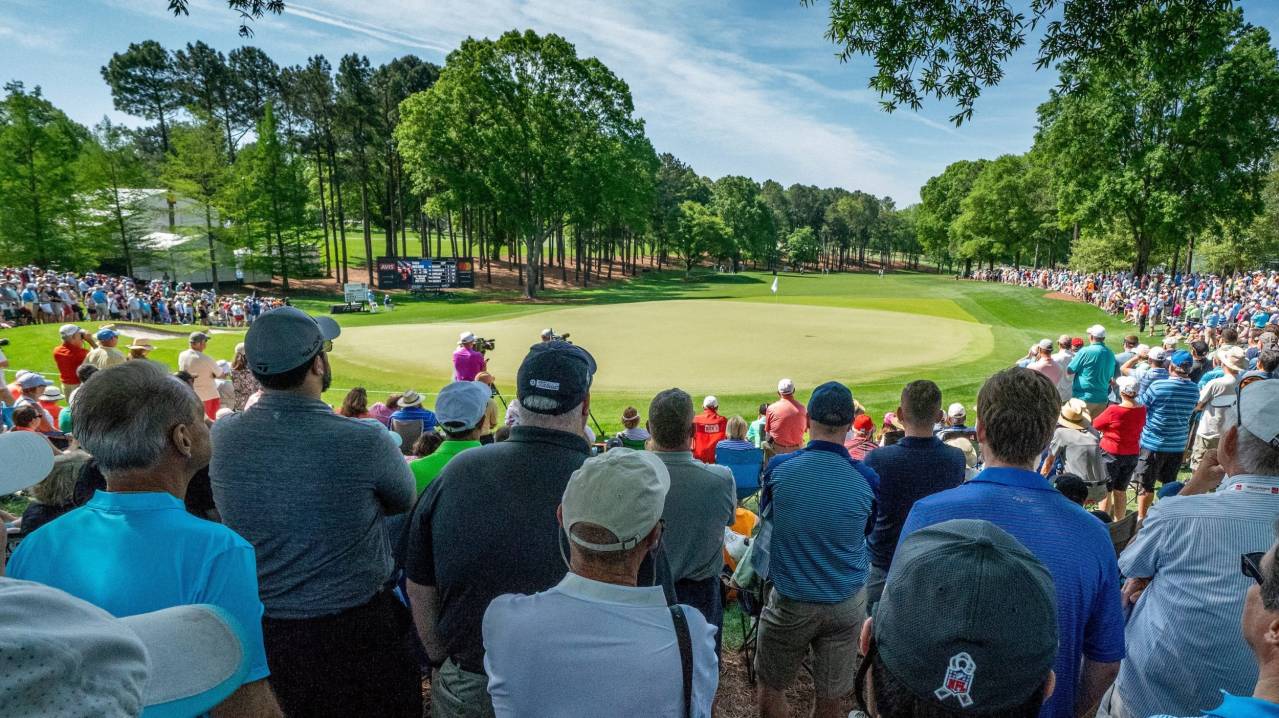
(1142, 350)
(26, 459)
(956, 410)
(1257, 414)
(460, 406)
(69, 330)
(711, 402)
(1097, 330)
(785, 386)
(1127, 385)
(1157, 354)
(64, 656)
(466, 337)
(621, 490)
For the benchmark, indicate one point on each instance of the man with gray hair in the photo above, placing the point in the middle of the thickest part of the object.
(1185, 562)
(133, 548)
(701, 502)
(486, 525)
(604, 625)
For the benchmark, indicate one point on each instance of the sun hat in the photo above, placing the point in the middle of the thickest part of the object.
(66, 331)
(51, 393)
(106, 335)
(465, 338)
(460, 406)
(786, 386)
(60, 652)
(1127, 385)
(890, 419)
(710, 402)
(410, 399)
(32, 381)
(143, 344)
(621, 490)
(831, 405)
(629, 414)
(1256, 410)
(556, 375)
(285, 338)
(946, 629)
(1235, 358)
(1182, 360)
(26, 459)
(956, 411)
(1097, 331)
(1074, 415)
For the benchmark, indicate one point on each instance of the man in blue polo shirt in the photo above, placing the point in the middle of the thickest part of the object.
(1016, 416)
(1094, 369)
(134, 548)
(820, 502)
(1169, 405)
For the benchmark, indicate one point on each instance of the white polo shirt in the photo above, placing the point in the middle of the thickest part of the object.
(586, 648)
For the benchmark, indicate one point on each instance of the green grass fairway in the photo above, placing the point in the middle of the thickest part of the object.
(732, 347)
(717, 334)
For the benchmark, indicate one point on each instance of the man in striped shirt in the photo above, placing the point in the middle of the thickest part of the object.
(1169, 404)
(1183, 637)
(819, 502)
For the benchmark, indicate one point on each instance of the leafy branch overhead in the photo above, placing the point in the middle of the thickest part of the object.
(953, 49)
(249, 10)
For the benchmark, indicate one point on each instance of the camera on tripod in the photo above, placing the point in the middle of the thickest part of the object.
(484, 346)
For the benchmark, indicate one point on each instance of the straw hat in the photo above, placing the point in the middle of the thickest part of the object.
(1074, 415)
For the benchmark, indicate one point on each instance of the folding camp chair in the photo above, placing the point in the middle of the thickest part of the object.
(746, 465)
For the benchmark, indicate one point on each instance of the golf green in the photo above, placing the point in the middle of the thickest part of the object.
(703, 346)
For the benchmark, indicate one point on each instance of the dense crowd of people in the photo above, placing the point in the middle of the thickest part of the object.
(29, 295)
(332, 561)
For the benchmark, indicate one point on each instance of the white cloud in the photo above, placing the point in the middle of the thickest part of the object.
(714, 107)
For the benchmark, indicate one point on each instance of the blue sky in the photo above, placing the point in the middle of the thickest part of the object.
(730, 86)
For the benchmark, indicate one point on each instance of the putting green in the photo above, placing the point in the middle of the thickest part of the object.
(701, 345)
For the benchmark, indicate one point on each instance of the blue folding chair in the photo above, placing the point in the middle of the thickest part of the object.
(746, 465)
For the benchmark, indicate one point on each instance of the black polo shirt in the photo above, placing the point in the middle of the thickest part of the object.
(486, 526)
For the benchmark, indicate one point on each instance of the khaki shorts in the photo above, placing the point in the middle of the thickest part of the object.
(788, 629)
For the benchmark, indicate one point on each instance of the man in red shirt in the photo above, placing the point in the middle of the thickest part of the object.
(70, 354)
(708, 430)
(786, 420)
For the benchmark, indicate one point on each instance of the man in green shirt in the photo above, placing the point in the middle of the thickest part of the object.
(1094, 369)
(460, 410)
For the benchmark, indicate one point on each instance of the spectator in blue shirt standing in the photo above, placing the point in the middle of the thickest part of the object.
(134, 548)
(1169, 405)
(1016, 417)
(818, 500)
(1094, 369)
(917, 466)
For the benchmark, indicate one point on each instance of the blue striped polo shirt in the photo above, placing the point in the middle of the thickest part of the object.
(1169, 404)
(823, 502)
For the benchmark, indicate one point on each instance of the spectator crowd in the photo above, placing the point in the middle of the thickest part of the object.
(224, 541)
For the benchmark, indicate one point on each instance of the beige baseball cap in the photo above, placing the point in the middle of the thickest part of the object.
(623, 491)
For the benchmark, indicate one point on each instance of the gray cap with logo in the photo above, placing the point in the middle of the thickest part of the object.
(285, 338)
(968, 618)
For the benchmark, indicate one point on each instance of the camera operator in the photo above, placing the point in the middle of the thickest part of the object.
(467, 361)
(547, 335)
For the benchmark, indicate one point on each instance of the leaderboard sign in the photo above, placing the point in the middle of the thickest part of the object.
(419, 274)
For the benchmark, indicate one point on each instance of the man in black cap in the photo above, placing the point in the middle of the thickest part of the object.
(311, 491)
(945, 641)
(491, 513)
(819, 502)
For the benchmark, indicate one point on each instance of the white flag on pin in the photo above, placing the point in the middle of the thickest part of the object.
(775, 285)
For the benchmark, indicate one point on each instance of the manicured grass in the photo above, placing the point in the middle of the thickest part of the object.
(875, 353)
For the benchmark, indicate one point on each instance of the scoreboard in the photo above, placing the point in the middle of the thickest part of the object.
(420, 274)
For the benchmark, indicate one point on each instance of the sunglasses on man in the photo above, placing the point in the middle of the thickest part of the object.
(1250, 565)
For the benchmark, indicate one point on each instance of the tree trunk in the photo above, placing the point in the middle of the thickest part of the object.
(213, 257)
(368, 231)
(324, 212)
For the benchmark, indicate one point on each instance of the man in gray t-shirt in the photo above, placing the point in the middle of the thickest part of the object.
(1079, 448)
(310, 490)
(702, 500)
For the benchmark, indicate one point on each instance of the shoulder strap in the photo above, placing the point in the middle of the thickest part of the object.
(685, 656)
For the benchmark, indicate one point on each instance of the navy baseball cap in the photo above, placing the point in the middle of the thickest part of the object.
(554, 377)
(831, 404)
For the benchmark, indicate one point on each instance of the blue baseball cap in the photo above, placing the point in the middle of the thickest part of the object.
(831, 404)
(106, 335)
(1181, 359)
